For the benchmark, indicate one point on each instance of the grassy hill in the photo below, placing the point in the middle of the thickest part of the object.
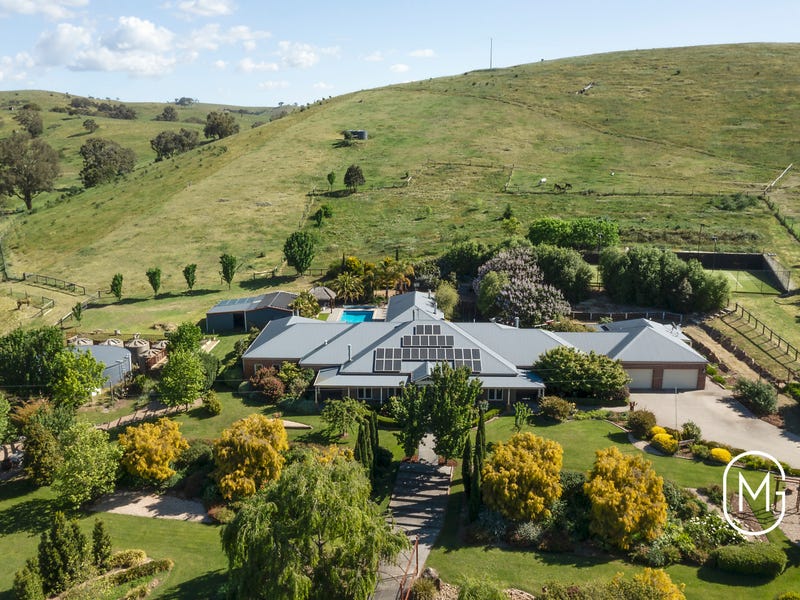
(655, 141)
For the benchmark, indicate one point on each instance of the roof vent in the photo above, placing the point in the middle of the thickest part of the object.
(516, 322)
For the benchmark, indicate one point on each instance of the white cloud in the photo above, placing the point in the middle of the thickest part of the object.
(376, 56)
(134, 34)
(249, 66)
(399, 68)
(58, 47)
(211, 37)
(273, 85)
(52, 9)
(12, 68)
(303, 56)
(424, 53)
(206, 8)
(220, 65)
(136, 46)
(321, 85)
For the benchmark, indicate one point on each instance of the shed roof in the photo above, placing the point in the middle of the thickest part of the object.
(277, 300)
(323, 293)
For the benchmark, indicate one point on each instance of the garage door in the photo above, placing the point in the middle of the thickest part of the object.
(682, 379)
(641, 379)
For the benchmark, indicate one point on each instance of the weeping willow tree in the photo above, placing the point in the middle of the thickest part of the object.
(312, 531)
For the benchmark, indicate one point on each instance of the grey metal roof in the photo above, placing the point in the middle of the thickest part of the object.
(277, 300)
(521, 347)
(608, 342)
(411, 305)
(655, 345)
(293, 338)
(361, 337)
(636, 324)
(331, 378)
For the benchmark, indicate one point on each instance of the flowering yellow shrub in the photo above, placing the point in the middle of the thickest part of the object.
(720, 455)
(656, 429)
(650, 583)
(665, 442)
(150, 449)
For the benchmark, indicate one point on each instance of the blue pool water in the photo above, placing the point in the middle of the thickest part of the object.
(356, 316)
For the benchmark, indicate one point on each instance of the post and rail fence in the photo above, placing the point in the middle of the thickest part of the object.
(766, 330)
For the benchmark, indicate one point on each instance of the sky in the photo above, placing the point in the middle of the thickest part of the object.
(262, 53)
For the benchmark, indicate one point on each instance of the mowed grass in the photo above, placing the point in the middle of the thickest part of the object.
(530, 570)
(751, 282)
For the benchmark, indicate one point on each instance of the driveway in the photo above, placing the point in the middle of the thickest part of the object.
(721, 419)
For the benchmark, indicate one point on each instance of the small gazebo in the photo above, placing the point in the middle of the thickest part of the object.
(324, 295)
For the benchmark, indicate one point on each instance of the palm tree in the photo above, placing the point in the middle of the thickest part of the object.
(394, 274)
(348, 287)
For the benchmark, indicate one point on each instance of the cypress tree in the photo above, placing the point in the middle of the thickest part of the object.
(369, 458)
(101, 545)
(373, 419)
(480, 438)
(475, 492)
(28, 582)
(358, 452)
(63, 553)
(466, 465)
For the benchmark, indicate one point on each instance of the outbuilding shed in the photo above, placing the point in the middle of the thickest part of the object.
(240, 314)
(116, 361)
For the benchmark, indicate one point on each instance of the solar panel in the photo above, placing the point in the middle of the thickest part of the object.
(387, 360)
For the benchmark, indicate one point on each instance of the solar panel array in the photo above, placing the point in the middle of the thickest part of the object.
(428, 341)
(387, 360)
(427, 329)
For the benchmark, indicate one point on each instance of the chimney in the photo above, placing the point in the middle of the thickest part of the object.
(516, 322)
(349, 352)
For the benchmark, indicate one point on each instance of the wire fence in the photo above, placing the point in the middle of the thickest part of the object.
(774, 337)
(55, 282)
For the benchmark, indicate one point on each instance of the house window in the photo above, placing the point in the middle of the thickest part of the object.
(364, 393)
(494, 394)
(257, 367)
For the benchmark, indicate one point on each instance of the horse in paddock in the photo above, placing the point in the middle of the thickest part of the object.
(23, 302)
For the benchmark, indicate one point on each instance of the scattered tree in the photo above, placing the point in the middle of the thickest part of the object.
(229, 264)
(104, 160)
(342, 415)
(354, 178)
(116, 286)
(287, 543)
(299, 251)
(31, 121)
(90, 125)
(77, 376)
(28, 167)
(220, 125)
(189, 272)
(182, 379)
(89, 468)
(154, 277)
(42, 453)
(62, 555)
(446, 299)
(331, 180)
(187, 336)
(168, 114)
(248, 455)
(628, 504)
(521, 479)
(149, 449)
(170, 143)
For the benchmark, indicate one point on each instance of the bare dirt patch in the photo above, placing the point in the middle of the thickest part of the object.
(152, 506)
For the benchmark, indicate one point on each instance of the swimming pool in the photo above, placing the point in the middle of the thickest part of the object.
(356, 316)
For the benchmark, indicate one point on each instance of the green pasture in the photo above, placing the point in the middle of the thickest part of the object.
(528, 570)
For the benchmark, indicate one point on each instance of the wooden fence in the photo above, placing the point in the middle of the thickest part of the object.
(55, 282)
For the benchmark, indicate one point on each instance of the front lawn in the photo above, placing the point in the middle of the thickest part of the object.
(530, 570)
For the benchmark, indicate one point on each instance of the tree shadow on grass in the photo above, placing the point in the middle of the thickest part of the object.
(618, 437)
(712, 575)
(320, 436)
(266, 281)
(31, 516)
(209, 586)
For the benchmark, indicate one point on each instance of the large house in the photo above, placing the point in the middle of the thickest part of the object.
(372, 360)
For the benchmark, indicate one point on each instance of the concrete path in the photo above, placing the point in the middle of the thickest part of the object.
(722, 419)
(418, 506)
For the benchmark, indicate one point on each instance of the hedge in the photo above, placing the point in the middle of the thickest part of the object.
(750, 559)
(144, 570)
(126, 558)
